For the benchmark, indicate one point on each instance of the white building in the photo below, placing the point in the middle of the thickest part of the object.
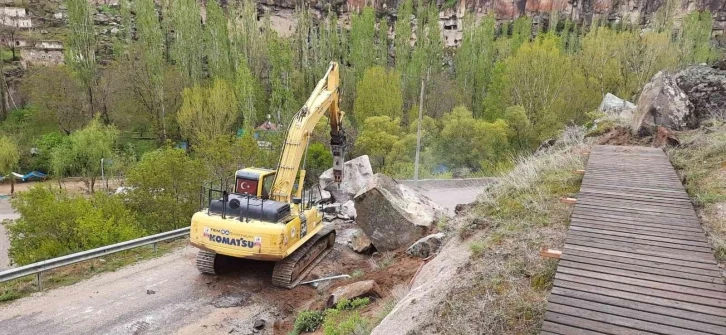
(15, 17)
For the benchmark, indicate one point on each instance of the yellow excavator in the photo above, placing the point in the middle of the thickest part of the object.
(264, 217)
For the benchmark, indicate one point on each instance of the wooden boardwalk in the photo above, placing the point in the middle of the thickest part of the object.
(636, 260)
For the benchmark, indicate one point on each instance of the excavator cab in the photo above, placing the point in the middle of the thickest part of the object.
(254, 181)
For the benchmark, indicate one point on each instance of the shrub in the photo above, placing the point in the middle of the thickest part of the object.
(346, 304)
(54, 223)
(308, 321)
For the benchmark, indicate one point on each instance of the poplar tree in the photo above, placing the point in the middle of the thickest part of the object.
(187, 50)
(217, 43)
(382, 59)
(81, 47)
(475, 61)
(151, 55)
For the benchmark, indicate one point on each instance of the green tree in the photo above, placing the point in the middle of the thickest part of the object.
(225, 153)
(282, 100)
(378, 135)
(66, 224)
(150, 49)
(379, 94)
(382, 59)
(82, 152)
(217, 43)
(247, 90)
(165, 188)
(81, 47)
(519, 126)
(319, 159)
(208, 112)
(695, 38)
(598, 60)
(475, 61)
(402, 41)
(9, 158)
(362, 41)
(471, 143)
(58, 97)
(537, 78)
(186, 21)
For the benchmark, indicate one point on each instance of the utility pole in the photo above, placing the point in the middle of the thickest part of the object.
(418, 135)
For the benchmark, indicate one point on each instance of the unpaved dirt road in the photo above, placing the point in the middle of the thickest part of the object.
(167, 295)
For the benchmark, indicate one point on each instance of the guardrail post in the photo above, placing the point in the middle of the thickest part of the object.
(154, 247)
(40, 280)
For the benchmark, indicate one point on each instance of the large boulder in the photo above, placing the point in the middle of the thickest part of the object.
(393, 215)
(662, 103)
(615, 107)
(705, 87)
(356, 174)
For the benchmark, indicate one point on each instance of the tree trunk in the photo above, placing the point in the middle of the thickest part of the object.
(90, 100)
(12, 184)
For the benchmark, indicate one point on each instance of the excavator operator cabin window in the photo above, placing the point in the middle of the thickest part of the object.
(267, 183)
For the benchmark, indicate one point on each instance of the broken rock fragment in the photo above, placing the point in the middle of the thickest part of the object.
(426, 246)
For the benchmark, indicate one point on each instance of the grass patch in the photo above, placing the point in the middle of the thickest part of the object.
(72, 274)
(505, 287)
(701, 163)
(344, 319)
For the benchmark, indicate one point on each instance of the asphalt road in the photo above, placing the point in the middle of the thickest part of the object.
(162, 296)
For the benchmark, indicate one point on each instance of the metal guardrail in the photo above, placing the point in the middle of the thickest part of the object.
(50, 264)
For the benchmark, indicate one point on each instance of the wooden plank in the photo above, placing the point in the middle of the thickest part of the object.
(556, 328)
(642, 252)
(710, 273)
(651, 230)
(642, 275)
(706, 312)
(597, 250)
(591, 325)
(702, 322)
(613, 202)
(665, 273)
(653, 201)
(634, 190)
(643, 236)
(719, 304)
(592, 312)
(644, 283)
(616, 215)
(639, 206)
(638, 211)
(634, 196)
(640, 243)
(691, 230)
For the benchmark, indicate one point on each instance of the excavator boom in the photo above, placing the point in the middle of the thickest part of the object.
(324, 98)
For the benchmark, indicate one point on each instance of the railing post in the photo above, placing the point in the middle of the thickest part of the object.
(40, 280)
(155, 247)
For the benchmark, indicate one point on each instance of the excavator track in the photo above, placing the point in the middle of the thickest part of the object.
(205, 262)
(291, 270)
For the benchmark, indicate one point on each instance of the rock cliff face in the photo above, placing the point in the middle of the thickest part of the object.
(580, 11)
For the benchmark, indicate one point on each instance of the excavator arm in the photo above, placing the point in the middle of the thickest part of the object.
(325, 98)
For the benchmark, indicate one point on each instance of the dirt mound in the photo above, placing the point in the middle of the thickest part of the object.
(622, 136)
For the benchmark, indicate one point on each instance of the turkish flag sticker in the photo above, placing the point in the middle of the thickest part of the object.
(246, 186)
